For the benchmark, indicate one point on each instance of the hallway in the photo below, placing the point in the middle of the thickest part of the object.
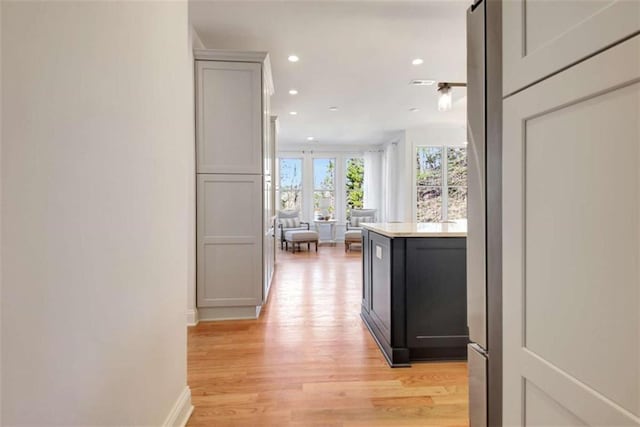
(310, 361)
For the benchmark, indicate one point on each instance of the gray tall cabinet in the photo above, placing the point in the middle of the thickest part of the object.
(235, 155)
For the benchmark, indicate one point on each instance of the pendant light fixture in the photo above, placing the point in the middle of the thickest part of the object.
(445, 97)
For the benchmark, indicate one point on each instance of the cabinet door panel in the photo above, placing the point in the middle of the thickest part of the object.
(266, 129)
(229, 230)
(436, 292)
(270, 148)
(380, 254)
(268, 212)
(366, 272)
(542, 37)
(229, 117)
(571, 294)
(268, 267)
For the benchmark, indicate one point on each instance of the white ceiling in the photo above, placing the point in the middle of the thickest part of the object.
(354, 55)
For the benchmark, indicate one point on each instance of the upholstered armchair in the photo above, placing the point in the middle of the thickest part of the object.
(358, 216)
(289, 220)
(354, 229)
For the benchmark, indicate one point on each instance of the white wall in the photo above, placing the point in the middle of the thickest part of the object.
(399, 194)
(437, 135)
(96, 140)
(0, 212)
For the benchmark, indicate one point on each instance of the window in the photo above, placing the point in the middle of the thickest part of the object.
(441, 186)
(429, 184)
(324, 194)
(354, 180)
(456, 183)
(290, 185)
(326, 185)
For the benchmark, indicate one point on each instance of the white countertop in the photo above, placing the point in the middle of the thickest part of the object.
(412, 229)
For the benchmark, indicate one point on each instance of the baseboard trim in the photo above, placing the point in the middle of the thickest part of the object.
(192, 317)
(211, 314)
(181, 411)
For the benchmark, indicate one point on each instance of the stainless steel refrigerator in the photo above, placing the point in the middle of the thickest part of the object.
(484, 239)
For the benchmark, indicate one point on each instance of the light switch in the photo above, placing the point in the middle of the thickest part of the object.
(378, 252)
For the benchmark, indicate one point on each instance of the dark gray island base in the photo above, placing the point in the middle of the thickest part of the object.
(414, 295)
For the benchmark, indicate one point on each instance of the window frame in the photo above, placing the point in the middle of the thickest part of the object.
(340, 157)
(444, 186)
(347, 158)
(335, 206)
(278, 182)
(450, 186)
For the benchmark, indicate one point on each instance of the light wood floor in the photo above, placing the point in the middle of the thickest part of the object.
(310, 361)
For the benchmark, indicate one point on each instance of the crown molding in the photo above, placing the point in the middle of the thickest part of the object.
(239, 56)
(230, 55)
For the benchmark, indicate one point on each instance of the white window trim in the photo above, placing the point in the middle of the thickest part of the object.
(296, 156)
(307, 157)
(336, 165)
(445, 178)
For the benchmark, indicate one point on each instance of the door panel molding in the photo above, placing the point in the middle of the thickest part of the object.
(229, 117)
(594, 408)
(229, 246)
(612, 23)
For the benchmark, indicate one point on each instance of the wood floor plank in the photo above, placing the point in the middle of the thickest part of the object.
(310, 361)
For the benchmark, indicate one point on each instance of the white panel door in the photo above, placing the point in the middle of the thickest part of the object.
(541, 37)
(229, 117)
(229, 230)
(571, 289)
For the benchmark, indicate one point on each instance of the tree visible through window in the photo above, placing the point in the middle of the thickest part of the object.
(290, 189)
(456, 183)
(429, 184)
(354, 184)
(324, 194)
(441, 186)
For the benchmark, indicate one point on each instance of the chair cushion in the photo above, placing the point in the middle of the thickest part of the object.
(357, 220)
(290, 222)
(288, 213)
(301, 236)
(301, 228)
(353, 236)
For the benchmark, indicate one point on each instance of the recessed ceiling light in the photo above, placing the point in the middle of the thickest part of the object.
(417, 61)
(310, 138)
(414, 110)
(293, 92)
(293, 113)
(333, 108)
(293, 58)
(420, 82)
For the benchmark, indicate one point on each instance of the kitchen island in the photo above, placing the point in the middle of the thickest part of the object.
(414, 295)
